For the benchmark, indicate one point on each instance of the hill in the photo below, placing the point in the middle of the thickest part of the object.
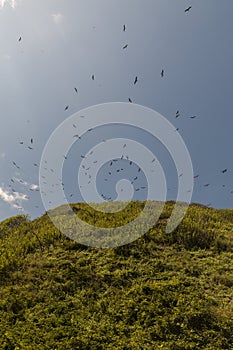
(163, 291)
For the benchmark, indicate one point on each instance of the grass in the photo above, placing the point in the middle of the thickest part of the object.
(162, 291)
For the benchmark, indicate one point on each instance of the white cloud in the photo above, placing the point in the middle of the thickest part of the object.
(12, 3)
(14, 199)
(57, 18)
(32, 187)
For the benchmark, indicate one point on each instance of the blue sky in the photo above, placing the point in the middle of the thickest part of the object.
(65, 42)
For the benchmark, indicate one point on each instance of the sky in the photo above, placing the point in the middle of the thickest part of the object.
(49, 48)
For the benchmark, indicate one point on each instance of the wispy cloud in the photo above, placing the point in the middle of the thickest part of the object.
(14, 199)
(12, 3)
(32, 187)
(57, 18)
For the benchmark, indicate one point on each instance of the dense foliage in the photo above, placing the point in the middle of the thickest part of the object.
(163, 291)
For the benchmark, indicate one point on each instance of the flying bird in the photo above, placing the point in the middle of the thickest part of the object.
(130, 100)
(162, 73)
(124, 47)
(16, 165)
(135, 80)
(76, 90)
(224, 171)
(20, 38)
(66, 108)
(193, 117)
(124, 28)
(31, 140)
(177, 114)
(188, 9)
(206, 185)
(93, 77)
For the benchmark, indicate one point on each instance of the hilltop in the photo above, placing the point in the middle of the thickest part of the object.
(162, 291)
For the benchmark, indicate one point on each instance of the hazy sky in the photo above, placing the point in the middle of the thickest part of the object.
(63, 43)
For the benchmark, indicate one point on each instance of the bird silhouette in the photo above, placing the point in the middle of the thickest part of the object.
(193, 117)
(177, 114)
(16, 165)
(135, 80)
(124, 47)
(124, 28)
(162, 73)
(224, 171)
(20, 38)
(130, 100)
(76, 90)
(93, 77)
(31, 140)
(188, 9)
(66, 108)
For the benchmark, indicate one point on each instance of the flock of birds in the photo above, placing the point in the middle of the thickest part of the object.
(119, 169)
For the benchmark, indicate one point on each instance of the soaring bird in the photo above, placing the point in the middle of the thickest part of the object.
(224, 171)
(162, 73)
(66, 108)
(20, 38)
(31, 140)
(124, 28)
(135, 80)
(193, 117)
(16, 165)
(124, 47)
(130, 100)
(196, 176)
(188, 9)
(93, 77)
(30, 148)
(177, 114)
(76, 90)
(206, 185)
(21, 142)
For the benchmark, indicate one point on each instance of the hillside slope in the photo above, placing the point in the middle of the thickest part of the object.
(163, 291)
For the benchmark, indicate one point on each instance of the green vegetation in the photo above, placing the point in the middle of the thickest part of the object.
(163, 291)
